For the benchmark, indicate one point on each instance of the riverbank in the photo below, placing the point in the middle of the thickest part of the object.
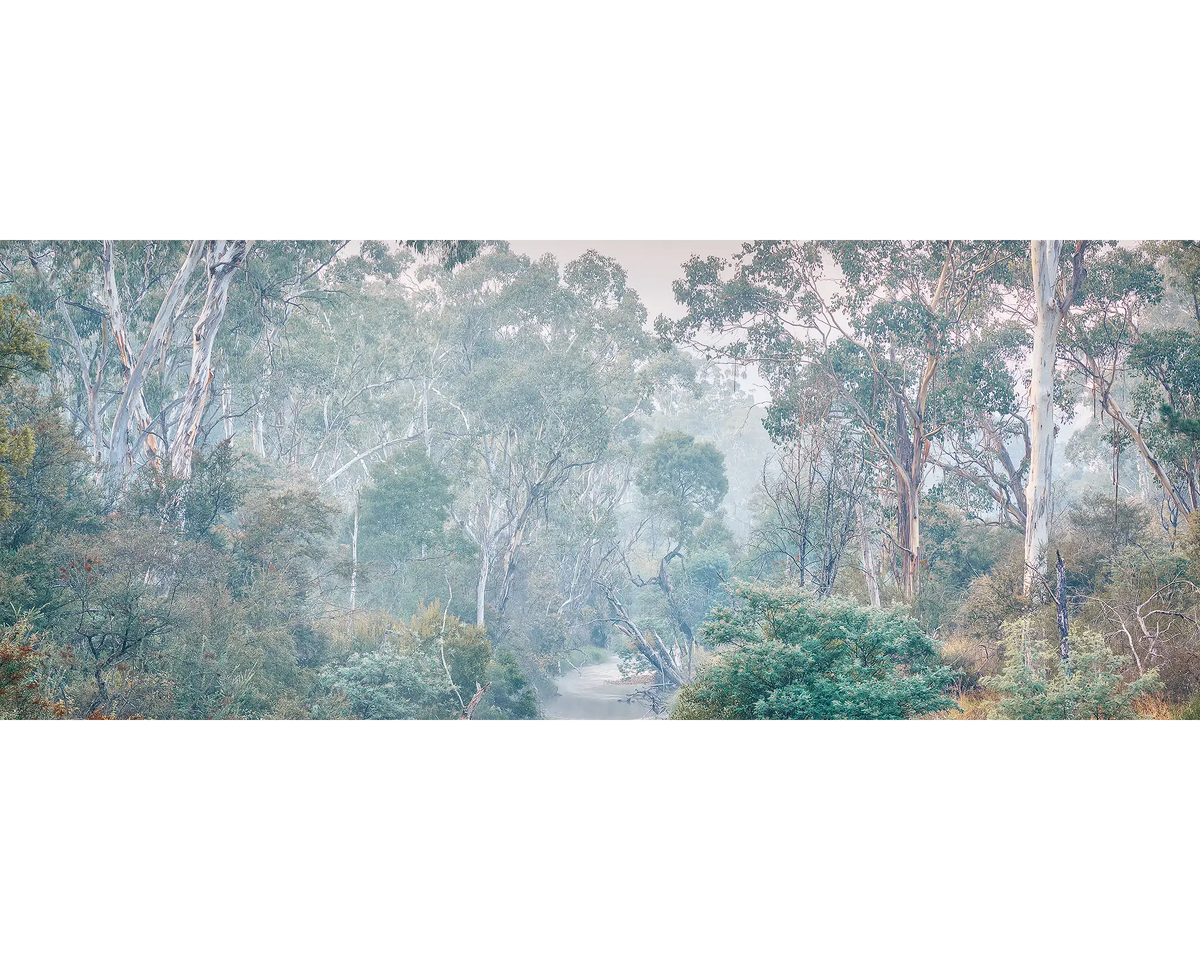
(599, 692)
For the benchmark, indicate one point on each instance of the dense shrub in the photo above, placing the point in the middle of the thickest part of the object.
(784, 655)
(1035, 685)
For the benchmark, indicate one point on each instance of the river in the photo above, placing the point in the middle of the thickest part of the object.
(595, 693)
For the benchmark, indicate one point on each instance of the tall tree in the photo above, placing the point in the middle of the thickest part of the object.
(1044, 256)
(984, 451)
(1133, 371)
(1051, 306)
(815, 488)
(118, 304)
(650, 573)
(883, 321)
(551, 369)
(222, 259)
(1110, 340)
(132, 403)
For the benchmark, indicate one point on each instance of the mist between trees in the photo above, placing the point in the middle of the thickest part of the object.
(438, 480)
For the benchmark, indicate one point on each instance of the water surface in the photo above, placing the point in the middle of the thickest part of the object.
(592, 693)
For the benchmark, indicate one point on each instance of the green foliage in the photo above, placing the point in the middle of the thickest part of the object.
(54, 496)
(1189, 546)
(1177, 423)
(683, 480)
(784, 656)
(200, 506)
(22, 353)
(510, 697)
(1118, 275)
(56, 491)
(1168, 398)
(972, 632)
(1144, 598)
(200, 598)
(904, 340)
(404, 510)
(391, 684)
(1192, 710)
(1034, 685)
(22, 695)
(464, 646)
(467, 656)
(1097, 529)
(287, 534)
(958, 553)
(428, 669)
(117, 603)
(504, 434)
(450, 253)
(544, 377)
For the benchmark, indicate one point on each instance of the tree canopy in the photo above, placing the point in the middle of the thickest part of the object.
(789, 657)
(336, 478)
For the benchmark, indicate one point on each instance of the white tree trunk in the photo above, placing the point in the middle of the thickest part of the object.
(868, 557)
(481, 587)
(909, 538)
(256, 434)
(132, 400)
(223, 259)
(132, 403)
(354, 563)
(1044, 255)
(227, 409)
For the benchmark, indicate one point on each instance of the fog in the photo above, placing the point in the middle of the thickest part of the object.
(600, 479)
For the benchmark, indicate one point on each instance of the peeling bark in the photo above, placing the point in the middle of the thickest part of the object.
(132, 404)
(1051, 309)
(480, 691)
(223, 259)
(1044, 256)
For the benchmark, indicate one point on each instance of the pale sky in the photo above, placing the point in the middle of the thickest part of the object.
(652, 265)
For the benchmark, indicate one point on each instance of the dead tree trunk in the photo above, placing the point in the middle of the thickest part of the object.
(647, 643)
(469, 710)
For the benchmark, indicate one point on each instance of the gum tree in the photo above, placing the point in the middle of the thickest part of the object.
(1052, 299)
(550, 369)
(882, 322)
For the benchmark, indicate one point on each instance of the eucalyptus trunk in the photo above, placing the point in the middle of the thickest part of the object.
(1044, 256)
(223, 259)
(481, 587)
(132, 405)
(354, 564)
(868, 557)
(1113, 409)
